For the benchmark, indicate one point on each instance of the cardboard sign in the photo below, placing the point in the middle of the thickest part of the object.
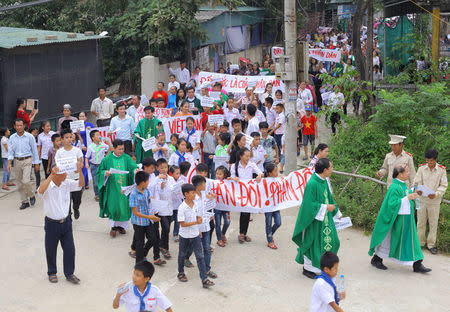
(75, 125)
(215, 120)
(66, 165)
(207, 101)
(149, 144)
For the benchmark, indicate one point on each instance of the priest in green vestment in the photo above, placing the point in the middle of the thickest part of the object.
(113, 204)
(315, 231)
(145, 129)
(395, 234)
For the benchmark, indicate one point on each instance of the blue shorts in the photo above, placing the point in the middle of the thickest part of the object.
(308, 138)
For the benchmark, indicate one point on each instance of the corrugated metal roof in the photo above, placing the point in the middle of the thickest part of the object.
(206, 13)
(18, 37)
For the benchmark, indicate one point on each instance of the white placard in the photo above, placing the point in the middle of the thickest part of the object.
(215, 95)
(425, 190)
(248, 140)
(66, 165)
(126, 190)
(117, 171)
(234, 66)
(215, 120)
(75, 125)
(149, 144)
(342, 223)
(251, 84)
(207, 101)
(221, 159)
(191, 105)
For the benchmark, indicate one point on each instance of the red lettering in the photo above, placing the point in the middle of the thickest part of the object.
(219, 192)
(243, 197)
(266, 189)
(290, 188)
(230, 196)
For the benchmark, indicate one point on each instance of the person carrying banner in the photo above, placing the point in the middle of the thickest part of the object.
(315, 231)
(113, 204)
(145, 129)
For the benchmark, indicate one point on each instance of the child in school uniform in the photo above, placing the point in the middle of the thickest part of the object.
(161, 149)
(269, 144)
(230, 111)
(192, 136)
(56, 141)
(270, 112)
(257, 151)
(222, 174)
(44, 143)
(190, 241)
(177, 197)
(309, 127)
(142, 216)
(96, 151)
(224, 127)
(324, 296)
(209, 147)
(173, 143)
(236, 126)
(4, 133)
(164, 187)
(223, 141)
(272, 172)
(253, 121)
(279, 130)
(139, 294)
(189, 157)
(202, 169)
(244, 169)
(180, 154)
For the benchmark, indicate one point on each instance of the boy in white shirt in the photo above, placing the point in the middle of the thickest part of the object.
(324, 296)
(173, 82)
(257, 151)
(279, 129)
(253, 121)
(140, 294)
(69, 151)
(177, 195)
(230, 111)
(190, 218)
(164, 187)
(161, 149)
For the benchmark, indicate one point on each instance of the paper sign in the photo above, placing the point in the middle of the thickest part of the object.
(161, 112)
(215, 119)
(234, 66)
(30, 104)
(277, 51)
(149, 144)
(126, 190)
(342, 223)
(425, 190)
(221, 159)
(207, 101)
(66, 165)
(251, 84)
(215, 95)
(248, 140)
(325, 55)
(117, 171)
(75, 125)
(191, 105)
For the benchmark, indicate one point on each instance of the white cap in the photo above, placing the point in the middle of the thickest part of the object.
(396, 139)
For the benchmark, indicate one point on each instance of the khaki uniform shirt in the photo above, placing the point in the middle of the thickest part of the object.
(435, 179)
(390, 161)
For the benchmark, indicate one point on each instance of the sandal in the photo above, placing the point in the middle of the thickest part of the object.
(53, 278)
(212, 249)
(241, 239)
(211, 274)
(159, 261)
(166, 253)
(6, 188)
(221, 243)
(132, 254)
(247, 239)
(207, 283)
(272, 245)
(175, 239)
(188, 263)
(182, 277)
(224, 239)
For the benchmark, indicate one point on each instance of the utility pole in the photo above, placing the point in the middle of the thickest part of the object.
(290, 42)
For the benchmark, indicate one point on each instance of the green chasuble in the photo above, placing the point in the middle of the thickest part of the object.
(404, 243)
(312, 236)
(146, 129)
(113, 204)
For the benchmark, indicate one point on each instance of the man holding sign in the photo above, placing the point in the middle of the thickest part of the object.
(145, 129)
(115, 171)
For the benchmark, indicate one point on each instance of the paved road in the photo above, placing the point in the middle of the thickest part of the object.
(251, 276)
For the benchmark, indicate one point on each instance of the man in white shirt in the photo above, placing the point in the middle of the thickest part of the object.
(131, 111)
(55, 192)
(102, 108)
(182, 74)
(173, 83)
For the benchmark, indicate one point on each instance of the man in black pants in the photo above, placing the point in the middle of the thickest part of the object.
(55, 192)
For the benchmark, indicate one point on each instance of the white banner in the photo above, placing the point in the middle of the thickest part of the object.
(325, 55)
(178, 124)
(277, 51)
(104, 136)
(237, 84)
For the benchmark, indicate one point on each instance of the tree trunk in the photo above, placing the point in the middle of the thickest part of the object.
(367, 105)
(356, 38)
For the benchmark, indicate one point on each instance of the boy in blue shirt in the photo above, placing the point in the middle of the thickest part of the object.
(142, 217)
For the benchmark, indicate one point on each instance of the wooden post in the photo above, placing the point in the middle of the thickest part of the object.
(435, 38)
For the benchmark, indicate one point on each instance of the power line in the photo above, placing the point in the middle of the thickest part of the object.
(429, 12)
(23, 5)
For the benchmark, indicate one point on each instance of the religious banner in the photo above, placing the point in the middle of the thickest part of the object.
(237, 84)
(270, 194)
(325, 55)
(178, 124)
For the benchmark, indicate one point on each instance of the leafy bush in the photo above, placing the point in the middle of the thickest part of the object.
(421, 116)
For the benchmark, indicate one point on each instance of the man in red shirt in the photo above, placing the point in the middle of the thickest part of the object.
(309, 126)
(161, 92)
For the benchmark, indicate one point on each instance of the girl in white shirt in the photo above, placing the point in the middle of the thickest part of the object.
(192, 136)
(230, 111)
(180, 154)
(161, 149)
(44, 144)
(243, 169)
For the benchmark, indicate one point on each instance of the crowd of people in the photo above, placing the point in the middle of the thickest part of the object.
(152, 189)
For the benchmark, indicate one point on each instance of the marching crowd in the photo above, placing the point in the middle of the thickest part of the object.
(150, 186)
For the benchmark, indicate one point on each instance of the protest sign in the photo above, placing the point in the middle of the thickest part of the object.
(161, 112)
(221, 159)
(237, 84)
(215, 95)
(325, 55)
(178, 124)
(66, 165)
(104, 135)
(277, 51)
(342, 223)
(234, 66)
(75, 125)
(248, 140)
(215, 120)
(117, 171)
(149, 144)
(207, 101)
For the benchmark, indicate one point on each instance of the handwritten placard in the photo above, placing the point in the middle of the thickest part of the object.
(75, 125)
(149, 144)
(342, 223)
(207, 101)
(215, 95)
(234, 66)
(215, 120)
(161, 112)
(248, 140)
(66, 165)
(221, 159)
